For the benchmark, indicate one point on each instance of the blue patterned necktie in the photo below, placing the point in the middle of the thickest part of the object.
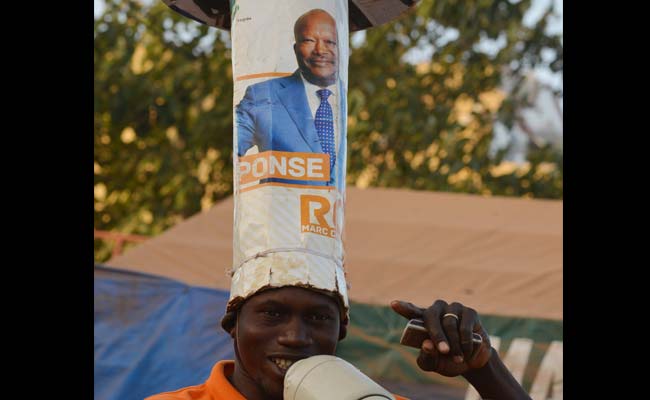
(324, 121)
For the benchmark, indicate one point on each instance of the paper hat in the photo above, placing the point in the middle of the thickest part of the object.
(290, 146)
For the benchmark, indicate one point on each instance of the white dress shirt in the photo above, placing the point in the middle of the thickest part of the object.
(314, 103)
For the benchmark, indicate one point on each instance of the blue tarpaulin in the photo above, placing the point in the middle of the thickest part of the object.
(154, 334)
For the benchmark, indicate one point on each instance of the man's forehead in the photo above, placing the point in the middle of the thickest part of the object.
(320, 17)
(317, 19)
(293, 296)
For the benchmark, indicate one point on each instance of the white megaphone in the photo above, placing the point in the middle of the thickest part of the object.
(330, 378)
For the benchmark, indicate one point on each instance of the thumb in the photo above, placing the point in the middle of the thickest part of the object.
(406, 309)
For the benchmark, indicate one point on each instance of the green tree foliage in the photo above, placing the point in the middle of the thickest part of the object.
(163, 119)
(163, 109)
(429, 126)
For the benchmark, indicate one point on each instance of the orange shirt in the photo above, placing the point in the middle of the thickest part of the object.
(217, 387)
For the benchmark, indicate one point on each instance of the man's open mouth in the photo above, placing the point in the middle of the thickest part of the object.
(282, 363)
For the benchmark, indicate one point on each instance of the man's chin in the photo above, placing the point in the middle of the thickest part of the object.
(320, 79)
(274, 384)
(274, 390)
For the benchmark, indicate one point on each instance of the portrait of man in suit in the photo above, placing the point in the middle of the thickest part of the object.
(300, 112)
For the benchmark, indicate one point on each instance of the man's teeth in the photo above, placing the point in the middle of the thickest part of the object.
(282, 363)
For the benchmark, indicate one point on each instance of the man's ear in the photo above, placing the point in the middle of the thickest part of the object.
(343, 328)
(229, 323)
(233, 329)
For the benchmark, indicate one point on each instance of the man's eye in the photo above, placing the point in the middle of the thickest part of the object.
(332, 43)
(320, 317)
(271, 313)
(308, 40)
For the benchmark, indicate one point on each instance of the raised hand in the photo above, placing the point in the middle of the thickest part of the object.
(450, 350)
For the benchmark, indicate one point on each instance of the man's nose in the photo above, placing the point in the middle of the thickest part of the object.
(296, 334)
(319, 47)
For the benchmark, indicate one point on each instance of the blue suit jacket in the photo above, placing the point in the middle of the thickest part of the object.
(275, 115)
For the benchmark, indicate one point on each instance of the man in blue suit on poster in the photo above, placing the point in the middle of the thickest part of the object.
(300, 113)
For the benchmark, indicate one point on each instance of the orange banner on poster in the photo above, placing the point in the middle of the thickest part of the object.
(284, 165)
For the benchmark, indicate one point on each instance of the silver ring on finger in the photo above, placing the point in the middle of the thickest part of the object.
(451, 315)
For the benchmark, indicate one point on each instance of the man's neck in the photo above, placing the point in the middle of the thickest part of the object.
(246, 385)
(321, 84)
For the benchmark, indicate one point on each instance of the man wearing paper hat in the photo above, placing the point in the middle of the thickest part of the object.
(288, 299)
(276, 327)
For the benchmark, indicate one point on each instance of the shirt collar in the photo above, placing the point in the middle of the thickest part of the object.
(218, 383)
(311, 88)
